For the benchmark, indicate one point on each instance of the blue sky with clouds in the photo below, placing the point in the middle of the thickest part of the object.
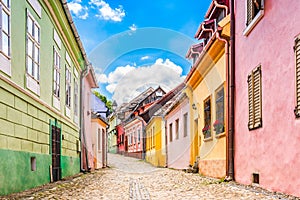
(136, 44)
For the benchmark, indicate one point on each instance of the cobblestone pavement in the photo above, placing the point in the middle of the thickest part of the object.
(128, 178)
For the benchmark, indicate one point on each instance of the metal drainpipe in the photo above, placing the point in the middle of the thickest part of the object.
(231, 95)
(166, 138)
(82, 132)
(227, 121)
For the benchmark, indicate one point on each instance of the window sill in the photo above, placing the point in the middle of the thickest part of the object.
(68, 112)
(32, 84)
(253, 23)
(208, 139)
(56, 103)
(220, 135)
(5, 64)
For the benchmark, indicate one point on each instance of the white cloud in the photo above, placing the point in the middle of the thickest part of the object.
(133, 27)
(145, 57)
(78, 10)
(111, 88)
(127, 82)
(115, 76)
(108, 13)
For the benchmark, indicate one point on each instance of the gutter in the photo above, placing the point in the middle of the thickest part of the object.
(231, 95)
(227, 63)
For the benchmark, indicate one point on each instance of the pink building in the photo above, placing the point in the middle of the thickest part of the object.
(88, 82)
(135, 138)
(267, 83)
(178, 133)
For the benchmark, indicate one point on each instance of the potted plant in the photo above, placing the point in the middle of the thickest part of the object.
(206, 131)
(218, 127)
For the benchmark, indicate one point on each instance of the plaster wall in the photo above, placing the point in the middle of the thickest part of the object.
(178, 149)
(272, 151)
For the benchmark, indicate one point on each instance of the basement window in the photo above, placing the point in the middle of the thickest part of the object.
(33, 163)
(255, 178)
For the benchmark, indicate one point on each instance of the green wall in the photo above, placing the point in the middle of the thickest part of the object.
(16, 174)
(24, 116)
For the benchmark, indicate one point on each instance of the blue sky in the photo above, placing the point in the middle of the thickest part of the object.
(136, 44)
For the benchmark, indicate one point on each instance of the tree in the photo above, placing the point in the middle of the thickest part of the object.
(103, 98)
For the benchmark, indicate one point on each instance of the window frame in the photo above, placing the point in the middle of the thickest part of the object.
(185, 124)
(56, 73)
(6, 9)
(207, 118)
(256, 18)
(177, 129)
(99, 139)
(36, 43)
(222, 112)
(171, 132)
(68, 83)
(254, 118)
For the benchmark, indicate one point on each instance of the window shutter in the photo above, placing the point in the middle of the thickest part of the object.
(250, 100)
(297, 62)
(257, 97)
(249, 11)
(254, 99)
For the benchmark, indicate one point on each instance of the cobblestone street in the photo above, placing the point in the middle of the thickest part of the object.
(128, 178)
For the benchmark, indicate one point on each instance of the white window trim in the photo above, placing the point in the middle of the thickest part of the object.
(68, 84)
(253, 23)
(5, 64)
(32, 84)
(56, 39)
(39, 45)
(56, 51)
(68, 59)
(68, 111)
(36, 7)
(256, 19)
(56, 102)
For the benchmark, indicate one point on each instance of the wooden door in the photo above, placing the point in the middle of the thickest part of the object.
(56, 153)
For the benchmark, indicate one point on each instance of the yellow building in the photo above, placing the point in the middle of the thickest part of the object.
(155, 142)
(207, 89)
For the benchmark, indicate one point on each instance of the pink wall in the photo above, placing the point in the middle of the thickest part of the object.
(178, 149)
(86, 95)
(131, 129)
(273, 150)
(121, 133)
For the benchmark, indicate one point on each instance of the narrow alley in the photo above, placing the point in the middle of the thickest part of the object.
(129, 178)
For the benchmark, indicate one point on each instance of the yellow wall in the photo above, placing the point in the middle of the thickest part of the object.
(155, 154)
(209, 75)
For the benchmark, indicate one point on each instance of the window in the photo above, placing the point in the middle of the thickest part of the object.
(185, 121)
(297, 62)
(56, 74)
(170, 132)
(254, 12)
(5, 27)
(254, 96)
(219, 123)
(99, 140)
(207, 118)
(139, 135)
(33, 48)
(75, 97)
(68, 88)
(177, 128)
(153, 137)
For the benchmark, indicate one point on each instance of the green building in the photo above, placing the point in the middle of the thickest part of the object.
(41, 59)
